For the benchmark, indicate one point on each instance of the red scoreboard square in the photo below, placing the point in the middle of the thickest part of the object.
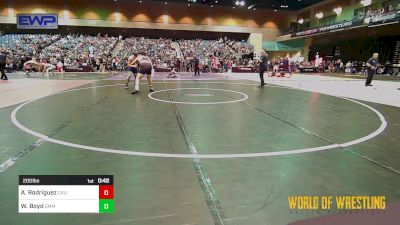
(106, 191)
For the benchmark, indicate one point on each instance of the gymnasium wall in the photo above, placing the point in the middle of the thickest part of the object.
(327, 10)
(288, 46)
(359, 45)
(3, 8)
(155, 15)
(365, 47)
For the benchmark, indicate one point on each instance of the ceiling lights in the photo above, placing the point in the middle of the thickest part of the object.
(251, 6)
(366, 2)
(239, 3)
(319, 15)
(338, 10)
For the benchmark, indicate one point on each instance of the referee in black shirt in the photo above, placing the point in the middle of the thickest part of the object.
(372, 65)
(196, 66)
(3, 61)
(263, 67)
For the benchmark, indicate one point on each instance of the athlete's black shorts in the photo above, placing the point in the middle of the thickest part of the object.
(134, 70)
(145, 68)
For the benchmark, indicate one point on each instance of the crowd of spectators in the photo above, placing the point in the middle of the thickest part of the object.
(378, 9)
(385, 9)
(76, 50)
(350, 67)
(100, 52)
(26, 46)
(214, 55)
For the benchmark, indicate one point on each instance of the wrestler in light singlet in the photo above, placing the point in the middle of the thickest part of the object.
(30, 64)
(47, 67)
(132, 68)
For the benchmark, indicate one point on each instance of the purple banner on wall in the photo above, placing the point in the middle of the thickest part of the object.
(244, 69)
(77, 69)
(308, 70)
(162, 69)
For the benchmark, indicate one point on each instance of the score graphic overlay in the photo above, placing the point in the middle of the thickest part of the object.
(66, 194)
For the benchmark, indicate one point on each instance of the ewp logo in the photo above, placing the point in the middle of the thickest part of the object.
(37, 21)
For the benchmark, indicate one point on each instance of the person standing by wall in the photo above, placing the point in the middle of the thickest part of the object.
(3, 61)
(286, 66)
(196, 66)
(263, 67)
(372, 64)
